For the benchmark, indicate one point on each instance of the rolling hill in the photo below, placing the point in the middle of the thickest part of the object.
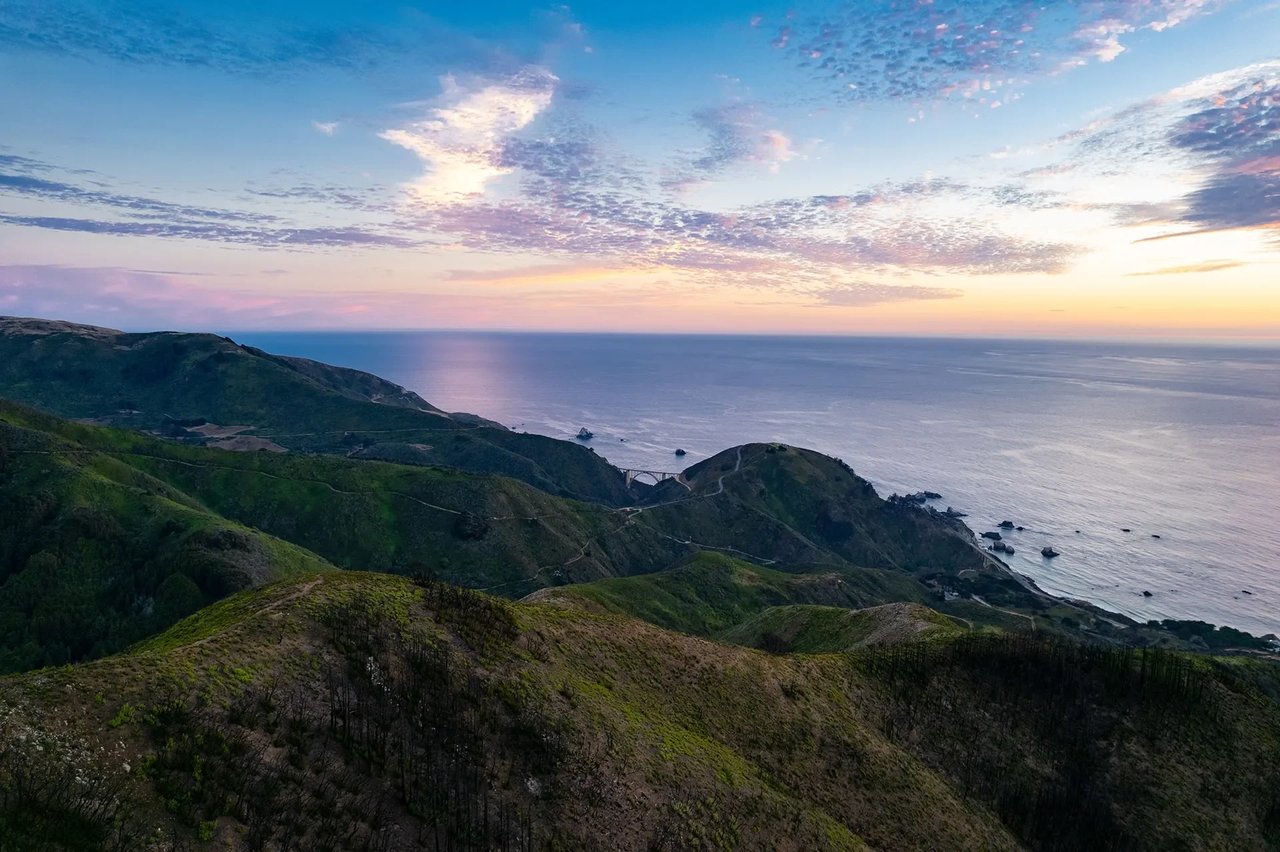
(203, 649)
(112, 535)
(206, 389)
(362, 711)
(95, 554)
(106, 516)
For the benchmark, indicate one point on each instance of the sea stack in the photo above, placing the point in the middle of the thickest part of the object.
(1048, 552)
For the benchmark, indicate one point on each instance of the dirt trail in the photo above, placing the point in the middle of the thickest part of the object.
(303, 590)
(1030, 618)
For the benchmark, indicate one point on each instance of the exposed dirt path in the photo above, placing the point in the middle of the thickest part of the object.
(1030, 618)
(302, 591)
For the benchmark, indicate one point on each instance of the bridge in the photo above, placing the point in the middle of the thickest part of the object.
(655, 475)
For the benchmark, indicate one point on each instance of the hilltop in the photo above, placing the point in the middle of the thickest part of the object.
(209, 390)
(357, 711)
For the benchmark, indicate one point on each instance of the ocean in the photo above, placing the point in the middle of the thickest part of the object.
(1075, 441)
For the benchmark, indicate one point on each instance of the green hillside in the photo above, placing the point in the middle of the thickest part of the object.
(809, 629)
(102, 517)
(359, 711)
(96, 554)
(712, 592)
(151, 505)
(207, 389)
(801, 507)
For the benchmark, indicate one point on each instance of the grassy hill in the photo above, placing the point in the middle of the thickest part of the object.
(810, 629)
(96, 554)
(801, 507)
(123, 511)
(103, 517)
(359, 711)
(733, 601)
(712, 592)
(207, 389)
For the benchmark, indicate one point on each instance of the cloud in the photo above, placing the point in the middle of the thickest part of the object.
(1240, 123)
(371, 199)
(15, 164)
(1216, 138)
(145, 298)
(259, 40)
(963, 48)
(861, 295)
(813, 242)
(554, 271)
(218, 232)
(328, 128)
(139, 299)
(1229, 201)
(135, 298)
(461, 140)
(1185, 269)
(738, 134)
(1237, 131)
(565, 161)
(124, 214)
(52, 190)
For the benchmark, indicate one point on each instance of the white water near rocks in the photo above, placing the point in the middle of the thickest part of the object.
(1176, 441)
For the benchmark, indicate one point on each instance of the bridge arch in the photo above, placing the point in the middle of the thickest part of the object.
(655, 476)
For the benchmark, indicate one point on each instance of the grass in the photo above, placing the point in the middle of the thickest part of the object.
(811, 629)
(659, 738)
(96, 553)
(713, 592)
(157, 381)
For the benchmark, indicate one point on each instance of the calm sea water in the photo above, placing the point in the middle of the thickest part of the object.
(1179, 442)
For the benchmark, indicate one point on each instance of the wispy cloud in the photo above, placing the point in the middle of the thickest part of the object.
(461, 139)
(141, 299)
(1190, 268)
(52, 190)
(107, 295)
(103, 210)
(262, 41)
(541, 272)
(811, 241)
(1237, 131)
(134, 298)
(219, 232)
(862, 295)
(1218, 137)
(975, 49)
(737, 133)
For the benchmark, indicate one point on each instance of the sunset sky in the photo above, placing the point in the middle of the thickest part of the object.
(1084, 168)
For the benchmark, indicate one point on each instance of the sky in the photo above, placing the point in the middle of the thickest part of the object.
(1073, 168)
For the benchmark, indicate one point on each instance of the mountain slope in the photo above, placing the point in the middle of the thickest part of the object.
(801, 507)
(208, 389)
(359, 711)
(810, 629)
(711, 592)
(95, 554)
(482, 531)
